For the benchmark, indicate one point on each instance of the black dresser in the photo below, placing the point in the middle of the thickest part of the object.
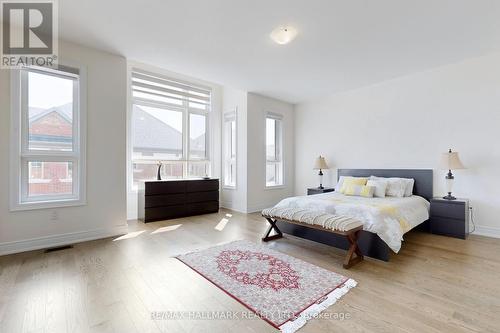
(169, 199)
(449, 217)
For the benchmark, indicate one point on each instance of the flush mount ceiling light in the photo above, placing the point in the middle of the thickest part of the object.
(283, 35)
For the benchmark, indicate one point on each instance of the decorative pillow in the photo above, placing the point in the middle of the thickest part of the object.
(359, 190)
(410, 182)
(352, 181)
(396, 187)
(380, 187)
(339, 183)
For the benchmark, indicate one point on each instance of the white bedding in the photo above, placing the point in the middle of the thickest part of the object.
(390, 218)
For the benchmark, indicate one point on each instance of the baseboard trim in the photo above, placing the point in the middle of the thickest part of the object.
(487, 231)
(259, 208)
(229, 205)
(248, 210)
(60, 240)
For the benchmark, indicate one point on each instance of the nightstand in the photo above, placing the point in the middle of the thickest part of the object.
(316, 190)
(449, 217)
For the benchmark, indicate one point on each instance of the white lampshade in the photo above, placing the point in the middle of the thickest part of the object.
(451, 161)
(320, 163)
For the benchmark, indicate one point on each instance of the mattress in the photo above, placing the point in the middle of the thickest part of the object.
(390, 218)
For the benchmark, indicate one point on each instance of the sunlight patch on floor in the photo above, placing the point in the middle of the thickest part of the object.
(221, 225)
(129, 235)
(166, 229)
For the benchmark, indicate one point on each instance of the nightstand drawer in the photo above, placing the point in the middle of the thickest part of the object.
(449, 227)
(447, 210)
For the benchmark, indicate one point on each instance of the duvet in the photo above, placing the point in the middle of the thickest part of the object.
(390, 218)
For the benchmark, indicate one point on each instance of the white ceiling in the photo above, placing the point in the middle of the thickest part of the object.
(341, 44)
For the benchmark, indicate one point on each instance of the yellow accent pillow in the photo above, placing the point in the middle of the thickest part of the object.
(352, 181)
(360, 190)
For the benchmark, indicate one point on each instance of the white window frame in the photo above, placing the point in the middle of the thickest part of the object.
(186, 159)
(21, 154)
(278, 161)
(229, 160)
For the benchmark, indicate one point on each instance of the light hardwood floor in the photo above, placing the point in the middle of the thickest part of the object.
(435, 284)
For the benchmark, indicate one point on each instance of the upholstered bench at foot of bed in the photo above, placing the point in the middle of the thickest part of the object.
(341, 225)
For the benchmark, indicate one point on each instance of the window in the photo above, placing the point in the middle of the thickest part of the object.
(169, 125)
(274, 156)
(47, 148)
(230, 149)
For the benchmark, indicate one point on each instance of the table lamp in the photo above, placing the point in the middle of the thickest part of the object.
(320, 164)
(450, 161)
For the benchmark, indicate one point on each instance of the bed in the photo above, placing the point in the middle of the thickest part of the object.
(385, 220)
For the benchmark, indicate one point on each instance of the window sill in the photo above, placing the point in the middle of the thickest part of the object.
(46, 205)
(228, 187)
(275, 187)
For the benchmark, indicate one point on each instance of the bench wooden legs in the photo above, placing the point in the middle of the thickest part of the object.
(349, 261)
(272, 225)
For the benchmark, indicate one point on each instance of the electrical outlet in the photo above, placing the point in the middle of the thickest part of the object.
(54, 215)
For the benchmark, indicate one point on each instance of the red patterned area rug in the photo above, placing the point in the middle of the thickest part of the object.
(282, 290)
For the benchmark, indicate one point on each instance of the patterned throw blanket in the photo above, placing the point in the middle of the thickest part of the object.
(306, 216)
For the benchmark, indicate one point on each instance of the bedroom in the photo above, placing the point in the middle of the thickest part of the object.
(250, 95)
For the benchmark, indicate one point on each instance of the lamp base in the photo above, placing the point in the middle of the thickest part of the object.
(449, 197)
(320, 176)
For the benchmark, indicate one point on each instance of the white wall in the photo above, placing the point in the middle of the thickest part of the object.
(105, 213)
(214, 124)
(236, 198)
(260, 197)
(407, 123)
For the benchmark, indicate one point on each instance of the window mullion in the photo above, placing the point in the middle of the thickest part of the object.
(50, 158)
(207, 137)
(159, 105)
(196, 111)
(185, 139)
(49, 154)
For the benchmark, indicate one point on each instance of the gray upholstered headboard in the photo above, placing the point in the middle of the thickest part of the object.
(423, 177)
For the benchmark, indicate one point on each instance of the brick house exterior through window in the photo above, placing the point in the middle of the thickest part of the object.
(48, 138)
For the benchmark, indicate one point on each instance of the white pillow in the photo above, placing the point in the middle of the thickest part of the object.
(380, 187)
(340, 182)
(396, 187)
(410, 182)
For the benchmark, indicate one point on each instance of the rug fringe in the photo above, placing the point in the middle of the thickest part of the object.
(316, 309)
